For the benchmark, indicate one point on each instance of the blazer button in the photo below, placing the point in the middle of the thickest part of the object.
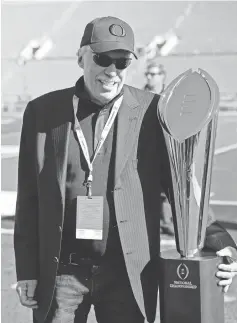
(60, 228)
(55, 259)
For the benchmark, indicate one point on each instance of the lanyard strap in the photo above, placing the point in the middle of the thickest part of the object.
(104, 134)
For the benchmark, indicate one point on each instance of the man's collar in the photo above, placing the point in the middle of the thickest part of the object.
(80, 91)
(150, 88)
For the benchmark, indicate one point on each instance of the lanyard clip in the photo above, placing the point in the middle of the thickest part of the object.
(88, 185)
(89, 190)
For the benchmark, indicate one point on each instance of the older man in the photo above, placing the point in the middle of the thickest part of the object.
(92, 165)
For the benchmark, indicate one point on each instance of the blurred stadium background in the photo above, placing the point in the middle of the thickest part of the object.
(39, 44)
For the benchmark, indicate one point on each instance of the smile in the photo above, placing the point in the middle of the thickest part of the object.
(107, 83)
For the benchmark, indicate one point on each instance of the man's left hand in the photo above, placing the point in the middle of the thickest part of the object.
(227, 270)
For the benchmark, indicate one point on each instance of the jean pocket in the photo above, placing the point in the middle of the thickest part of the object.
(75, 277)
(63, 280)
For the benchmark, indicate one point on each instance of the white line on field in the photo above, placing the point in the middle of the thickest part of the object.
(9, 151)
(227, 114)
(13, 286)
(7, 231)
(229, 299)
(222, 150)
(224, 203)
(7, 121)
(8, 203)
(167, 243)
(11, 134)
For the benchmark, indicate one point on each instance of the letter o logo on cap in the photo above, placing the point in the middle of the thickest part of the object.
(117, 30)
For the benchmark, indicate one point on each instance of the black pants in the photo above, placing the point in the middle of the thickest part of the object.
(107, 287)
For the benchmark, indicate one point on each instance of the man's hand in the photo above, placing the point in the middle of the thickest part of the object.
(26, 292)
(227, 271)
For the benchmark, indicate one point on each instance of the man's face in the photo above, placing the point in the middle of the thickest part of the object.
(155, 77)
(104, 83)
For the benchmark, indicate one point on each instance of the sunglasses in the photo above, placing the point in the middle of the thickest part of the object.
(105, 61)
(154, 74)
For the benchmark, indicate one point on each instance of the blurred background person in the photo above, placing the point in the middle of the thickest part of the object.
(155, 82)
(155, 77)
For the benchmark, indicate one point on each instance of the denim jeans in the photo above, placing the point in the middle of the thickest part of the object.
(107, 287)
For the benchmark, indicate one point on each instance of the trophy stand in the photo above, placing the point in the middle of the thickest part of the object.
(188, 111)
(188, 289)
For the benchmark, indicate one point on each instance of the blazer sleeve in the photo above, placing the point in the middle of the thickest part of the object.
(218, 238)
(26, 217)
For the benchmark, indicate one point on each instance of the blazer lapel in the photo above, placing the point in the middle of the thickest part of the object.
(128, 118)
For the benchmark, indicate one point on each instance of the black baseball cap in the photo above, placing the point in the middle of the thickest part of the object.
(108, 33)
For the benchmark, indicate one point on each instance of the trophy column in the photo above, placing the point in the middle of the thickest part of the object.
(188, 111)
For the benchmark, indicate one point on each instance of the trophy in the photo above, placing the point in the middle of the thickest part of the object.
(188, 112)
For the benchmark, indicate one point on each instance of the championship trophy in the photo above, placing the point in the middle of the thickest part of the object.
(188, 112)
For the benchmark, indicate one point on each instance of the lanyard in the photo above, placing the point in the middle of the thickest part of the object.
(104, 134)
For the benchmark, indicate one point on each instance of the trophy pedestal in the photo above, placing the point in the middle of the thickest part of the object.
(188, 289)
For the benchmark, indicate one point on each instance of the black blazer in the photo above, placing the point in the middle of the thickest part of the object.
(141, 173)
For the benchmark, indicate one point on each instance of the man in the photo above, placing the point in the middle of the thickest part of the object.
(87, 230)
(155, 82)
(155, 77)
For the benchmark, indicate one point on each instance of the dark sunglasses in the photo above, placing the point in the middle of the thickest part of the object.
(105, 61)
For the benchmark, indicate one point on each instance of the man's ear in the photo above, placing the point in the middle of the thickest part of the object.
(80, 61)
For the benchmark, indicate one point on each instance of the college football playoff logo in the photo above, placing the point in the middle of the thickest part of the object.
(182, 271)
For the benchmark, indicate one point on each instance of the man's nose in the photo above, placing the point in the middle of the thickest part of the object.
(111, 69)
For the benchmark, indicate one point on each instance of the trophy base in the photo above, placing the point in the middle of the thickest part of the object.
(188, 289)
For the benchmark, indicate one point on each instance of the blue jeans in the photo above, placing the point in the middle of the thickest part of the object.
(107, 287)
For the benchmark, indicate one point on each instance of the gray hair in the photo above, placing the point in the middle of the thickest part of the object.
(80, 54)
